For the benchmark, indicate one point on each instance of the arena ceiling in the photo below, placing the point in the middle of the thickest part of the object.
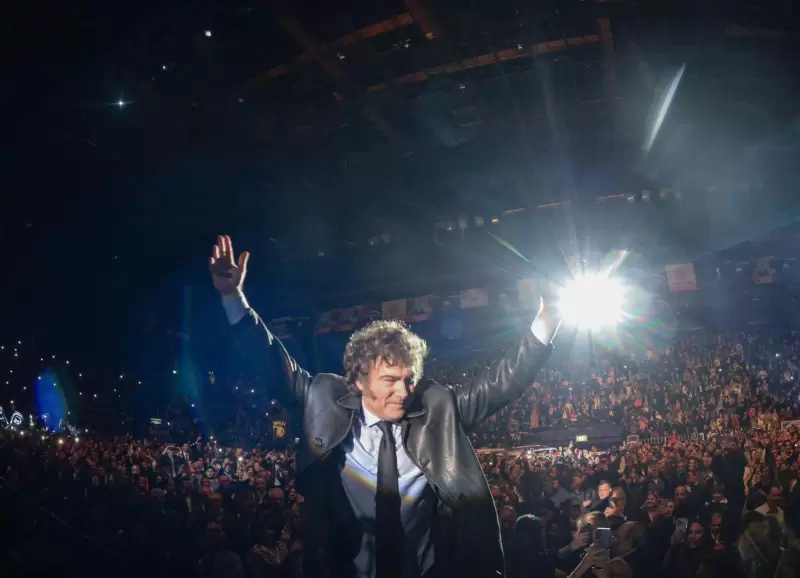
(139, 131)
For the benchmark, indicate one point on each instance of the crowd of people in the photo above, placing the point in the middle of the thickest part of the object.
(713, 415)
(218, 511)
(709, 383)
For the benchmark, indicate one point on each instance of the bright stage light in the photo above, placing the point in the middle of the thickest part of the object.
(592, 301)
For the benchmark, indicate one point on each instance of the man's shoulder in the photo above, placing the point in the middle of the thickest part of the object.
(329, 384)
(433, 392)
(329, 378)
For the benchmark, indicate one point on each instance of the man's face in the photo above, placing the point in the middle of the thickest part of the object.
(680, 494)
(774, 497)
(716, 523)
(603, 490)
(692, 465)
(385, 390)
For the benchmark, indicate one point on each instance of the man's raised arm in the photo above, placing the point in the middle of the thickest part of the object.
(252, 340)
(507, 379)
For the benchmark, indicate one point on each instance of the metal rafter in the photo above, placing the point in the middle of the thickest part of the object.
(333, 67)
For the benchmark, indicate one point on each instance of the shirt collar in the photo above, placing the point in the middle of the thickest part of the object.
(370, 419)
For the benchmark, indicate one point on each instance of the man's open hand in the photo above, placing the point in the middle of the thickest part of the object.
(227, 273)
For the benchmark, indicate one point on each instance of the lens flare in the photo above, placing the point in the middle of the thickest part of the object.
(592, 301)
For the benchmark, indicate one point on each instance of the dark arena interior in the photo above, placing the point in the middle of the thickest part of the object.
(400, 288)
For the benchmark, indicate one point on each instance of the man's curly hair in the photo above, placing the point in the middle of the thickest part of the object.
(390, 341)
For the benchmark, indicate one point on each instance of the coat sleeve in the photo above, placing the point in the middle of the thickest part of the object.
(503, 382)
(256, 348)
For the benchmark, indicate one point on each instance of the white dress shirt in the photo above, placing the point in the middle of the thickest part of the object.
(418, 501)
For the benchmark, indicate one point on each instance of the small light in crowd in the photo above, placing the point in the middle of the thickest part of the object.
(236, 388)
(54, 357)
(192, 405)
(163, 67)
(69, 413)
(273, 402)
(120, 376)
(252, 391)
(22, 432)
(87, 430)
(241, 459)
(77, 439)
(60, 441)
(95, 395)
(168, 423)
(80, 393)
(39, 378)
(67, 361)
(174, 372)
(139, 382)
(209, 33)
(42, 438)
(41, 359)
(16, 355)
(24, 388)
(12, 402)
(10, 371)
(115, 391)
(80, 375)
(19, 342)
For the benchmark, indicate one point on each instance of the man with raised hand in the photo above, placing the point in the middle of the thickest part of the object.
(392, 484)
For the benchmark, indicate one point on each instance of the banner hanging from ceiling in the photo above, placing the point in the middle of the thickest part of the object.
(681, 277)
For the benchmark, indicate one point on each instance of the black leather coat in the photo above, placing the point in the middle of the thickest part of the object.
(466, 530)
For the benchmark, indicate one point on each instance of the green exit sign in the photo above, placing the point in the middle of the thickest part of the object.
(583, 438)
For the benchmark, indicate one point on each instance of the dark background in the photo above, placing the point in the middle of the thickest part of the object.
(339, 141)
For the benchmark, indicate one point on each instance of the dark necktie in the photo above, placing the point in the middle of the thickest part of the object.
(389, 534)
